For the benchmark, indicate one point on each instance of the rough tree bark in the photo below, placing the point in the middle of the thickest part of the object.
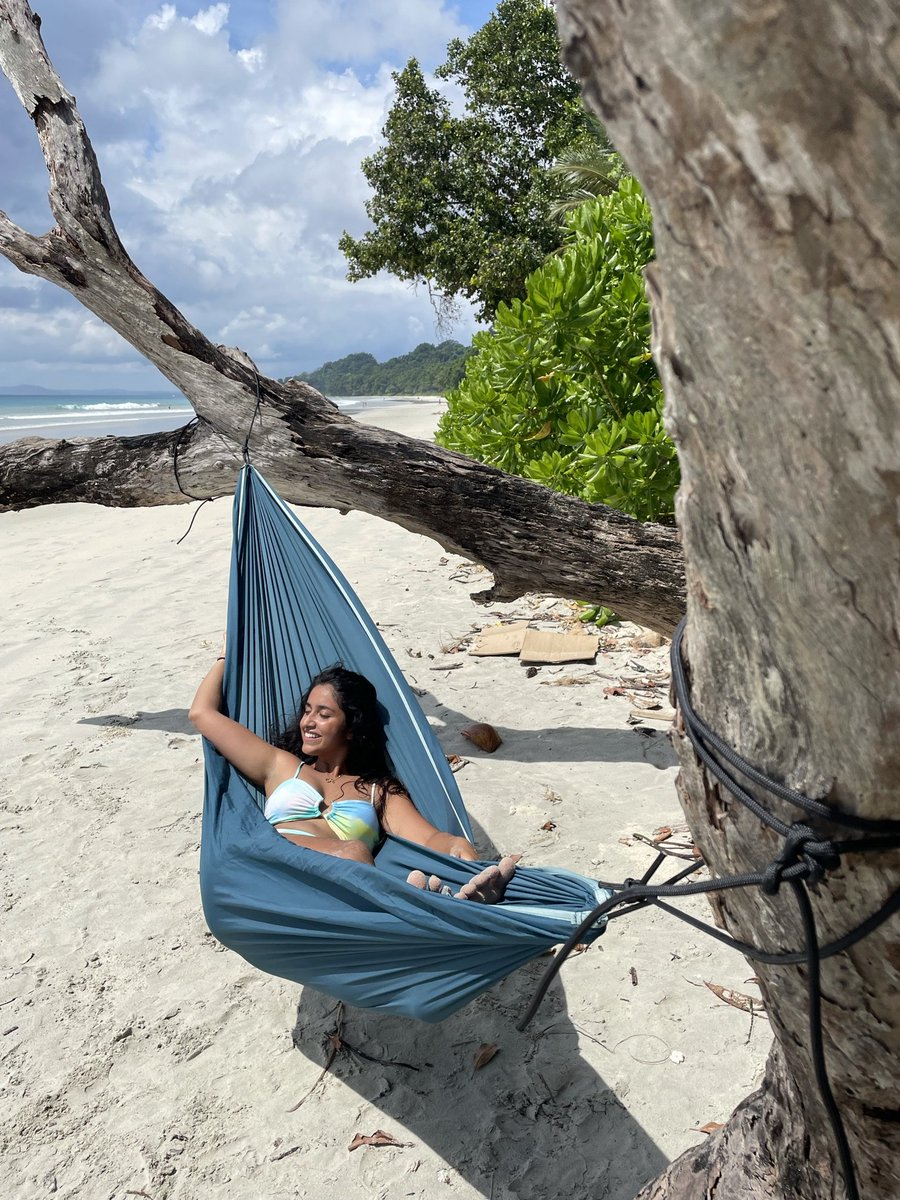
(532, 539)
(765, 135)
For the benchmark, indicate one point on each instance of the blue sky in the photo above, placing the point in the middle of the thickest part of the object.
(229, 137)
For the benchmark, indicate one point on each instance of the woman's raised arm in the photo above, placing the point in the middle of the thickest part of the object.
(255, 758)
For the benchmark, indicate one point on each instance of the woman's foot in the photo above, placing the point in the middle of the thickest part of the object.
(487, 887)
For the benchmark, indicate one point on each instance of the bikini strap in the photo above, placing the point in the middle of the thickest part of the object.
(296, 774)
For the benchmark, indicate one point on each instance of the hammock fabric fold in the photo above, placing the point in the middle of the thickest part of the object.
(359, 933)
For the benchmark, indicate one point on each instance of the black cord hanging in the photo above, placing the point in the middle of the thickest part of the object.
(245, 451)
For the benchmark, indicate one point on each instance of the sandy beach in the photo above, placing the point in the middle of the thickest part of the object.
(140, 1058)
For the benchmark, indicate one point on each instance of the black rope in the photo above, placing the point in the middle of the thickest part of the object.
(203, 499)
(245, 451)
(804, 859)
(246, 447)
(179, 436)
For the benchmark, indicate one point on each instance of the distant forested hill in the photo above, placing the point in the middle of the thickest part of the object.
(426, 371)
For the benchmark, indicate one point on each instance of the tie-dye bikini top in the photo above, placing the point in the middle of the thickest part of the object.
(351, 820)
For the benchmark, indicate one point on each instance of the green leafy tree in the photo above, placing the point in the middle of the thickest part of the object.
(462, 203)
(563, 389)
(588, 168)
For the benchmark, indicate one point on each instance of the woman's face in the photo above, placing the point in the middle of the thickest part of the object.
(323, 726)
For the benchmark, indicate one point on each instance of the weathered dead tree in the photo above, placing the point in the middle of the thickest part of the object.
(532, 539)
(766, 138)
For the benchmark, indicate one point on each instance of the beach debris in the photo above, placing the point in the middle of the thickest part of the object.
(457, 762)
(632, 971)
(530, 672)
(483, 1055)
(653, 713)
(484, 736)
(676, 1057)
(573, 646)
(567, 681)
(535, 646)
(379, 1138)
(739, 1000)
(709, 1127)
(498, 640)
(648, 640)
(333, 1042)
(675, 840)
(552, 797)
(454, 643)
(446, 666)
(648, 1039)
(285, 1154)
(549, 826)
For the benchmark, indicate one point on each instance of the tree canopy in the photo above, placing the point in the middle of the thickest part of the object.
(563, 388)
(462, 203)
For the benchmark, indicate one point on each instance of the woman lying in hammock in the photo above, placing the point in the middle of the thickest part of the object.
(327, 780)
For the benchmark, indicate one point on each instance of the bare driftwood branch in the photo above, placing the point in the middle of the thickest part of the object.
(530, 538)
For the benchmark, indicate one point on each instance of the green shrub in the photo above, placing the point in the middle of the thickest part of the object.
(563, 389)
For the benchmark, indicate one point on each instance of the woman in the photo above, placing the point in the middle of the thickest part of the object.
(327, 780)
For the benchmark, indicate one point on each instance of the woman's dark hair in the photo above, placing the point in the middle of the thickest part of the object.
(367, 746)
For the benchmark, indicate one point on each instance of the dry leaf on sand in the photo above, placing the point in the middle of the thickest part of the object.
(709, 1127)
(378, 1138)
(484, 1054)
(736, 999)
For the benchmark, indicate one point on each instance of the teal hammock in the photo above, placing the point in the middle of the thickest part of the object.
(359, 933)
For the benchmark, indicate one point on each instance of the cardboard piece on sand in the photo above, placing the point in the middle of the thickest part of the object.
(500, 639)
(539, 647)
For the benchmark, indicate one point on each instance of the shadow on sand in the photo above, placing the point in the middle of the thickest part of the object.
(494, 1125)
(537, 1121)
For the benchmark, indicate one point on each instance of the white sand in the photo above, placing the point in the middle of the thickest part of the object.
(141, 1058)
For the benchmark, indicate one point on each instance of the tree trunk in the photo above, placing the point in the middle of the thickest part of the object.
(532, 539)
(765, 136)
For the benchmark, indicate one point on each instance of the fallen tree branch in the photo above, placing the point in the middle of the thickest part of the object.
(530, 538)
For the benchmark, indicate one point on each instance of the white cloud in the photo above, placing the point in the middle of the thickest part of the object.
(211, 20)
(253, 59)
(231, 150)
(57, 333)
(164, 19)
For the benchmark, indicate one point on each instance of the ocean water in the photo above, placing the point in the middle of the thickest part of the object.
(72, 415)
